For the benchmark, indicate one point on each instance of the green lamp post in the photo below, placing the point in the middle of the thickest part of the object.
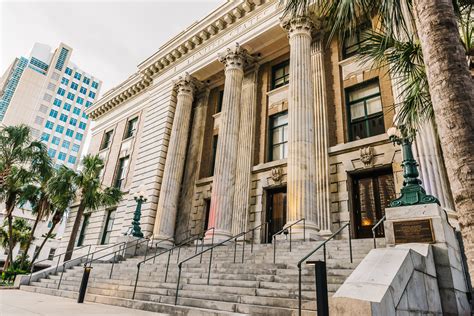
(136, 230)
(412, 192)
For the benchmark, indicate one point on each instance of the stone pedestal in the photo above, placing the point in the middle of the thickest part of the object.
(447, 256)
(301, 177)
(175, 158)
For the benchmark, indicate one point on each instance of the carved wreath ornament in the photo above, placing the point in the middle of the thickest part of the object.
(367, 156)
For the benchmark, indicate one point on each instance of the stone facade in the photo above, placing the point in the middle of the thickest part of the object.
(220, 162)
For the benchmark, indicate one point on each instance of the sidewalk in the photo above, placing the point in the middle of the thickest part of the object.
(22, 303)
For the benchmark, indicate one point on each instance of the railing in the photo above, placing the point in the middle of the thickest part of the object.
(169, 251)
(375, 227)
(211, 249)
(323, 245)
(285, 231)
(59, 259)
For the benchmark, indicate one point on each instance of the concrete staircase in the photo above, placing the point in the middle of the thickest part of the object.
(255, 287)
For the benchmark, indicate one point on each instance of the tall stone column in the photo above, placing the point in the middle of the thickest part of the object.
(223, 186)
(301, 176)
(245, 151)
(175, 158)
(192, 165)
(323, 198)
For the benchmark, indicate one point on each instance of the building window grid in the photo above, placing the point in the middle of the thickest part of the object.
(353, 42)
(106, 140)
(121, 172)
(281, 74)
(131, 128)
(278, 136)
(109, 223)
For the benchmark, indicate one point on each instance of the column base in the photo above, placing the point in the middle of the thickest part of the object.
(163, 241)
(219, 236)
(300, 231)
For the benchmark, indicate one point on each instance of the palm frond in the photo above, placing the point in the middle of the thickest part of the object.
(295, 7)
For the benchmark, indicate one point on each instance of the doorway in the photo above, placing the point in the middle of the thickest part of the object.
(276, 211)
(372, 192)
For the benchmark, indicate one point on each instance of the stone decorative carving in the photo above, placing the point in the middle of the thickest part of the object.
(187, 84)
(367, 156)
(277, 174)
(298, 24)
(235, 57)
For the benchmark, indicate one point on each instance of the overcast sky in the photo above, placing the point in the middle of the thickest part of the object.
(109, 38)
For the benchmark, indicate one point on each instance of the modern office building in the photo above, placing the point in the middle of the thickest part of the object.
(51, 94)
(9, 82)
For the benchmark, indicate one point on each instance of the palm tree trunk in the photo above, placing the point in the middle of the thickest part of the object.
(75, 230)
(452, 95)
(30, 239)
(9, 208)
(36, 254)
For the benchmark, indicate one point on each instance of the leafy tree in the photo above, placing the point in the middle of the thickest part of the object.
(92, 194)
(21, 232)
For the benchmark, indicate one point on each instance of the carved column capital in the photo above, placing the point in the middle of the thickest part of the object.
(235, 57)
(186, 84)
(299, 25)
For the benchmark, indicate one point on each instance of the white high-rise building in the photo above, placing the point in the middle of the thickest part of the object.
(51, 96)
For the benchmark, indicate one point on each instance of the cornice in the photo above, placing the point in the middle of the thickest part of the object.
(173, 51)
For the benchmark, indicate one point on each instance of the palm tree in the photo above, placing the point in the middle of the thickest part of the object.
(451, 87)
(21, 232)
(36, 193)
(61, 192)
(16, 152)
(92, 195)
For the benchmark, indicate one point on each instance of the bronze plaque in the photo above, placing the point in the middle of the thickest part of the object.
(419, 231)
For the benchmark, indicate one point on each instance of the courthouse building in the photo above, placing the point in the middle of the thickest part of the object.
(243, 119)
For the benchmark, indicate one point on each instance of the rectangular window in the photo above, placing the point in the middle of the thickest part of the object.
(76, 110)
(80, 100)
(92, 94)
(72, 160)
(62, 156)
(73, 121)
(74, 86)
(39, 120)
(57, 102)
(69, 132)
(65, 81)
(63, 117)
(66, 144)
(75, 148)
(83, 90)
(131, 128)
(121, 172)
(106, 139)
(61, 59)
(49, 125)
(45, 137)
(278, 136)
(352, 43)
(68, 71)
(67, 106)
(215, 138)
(55, 140)
(82, 235)
(61, 91)
(60, 129)
(365, 111)
(84, 115)
(109, 223)
(51, 86)
(88, 104)
(77, 76)
(44, 108)
(53, 113)
(220, 100)
(86, 80)
(82, 125)
(47, 97)
(79, 136)
(52, 251)
(280, 74)
(51, 153)
(70, 96)
(95, 85)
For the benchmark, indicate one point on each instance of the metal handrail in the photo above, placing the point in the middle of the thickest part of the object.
(243, 244)
(285, 229)
(169, 251)
(375, 227)
(323, 244)
(180, 264)
(92, 254)
(59, 259)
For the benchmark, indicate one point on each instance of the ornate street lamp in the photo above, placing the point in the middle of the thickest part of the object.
(412, 192)
(139, 197)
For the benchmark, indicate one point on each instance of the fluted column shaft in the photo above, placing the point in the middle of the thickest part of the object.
(175, 159)
(223, 185)
(245, 152)
(323, 199)
(301, 143)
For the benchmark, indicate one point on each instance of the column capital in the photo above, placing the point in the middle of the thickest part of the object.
(186, 84)
(301, 24)
(235, 57)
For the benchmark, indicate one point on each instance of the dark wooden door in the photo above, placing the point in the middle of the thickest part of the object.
(276, 211)
(372, 194)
